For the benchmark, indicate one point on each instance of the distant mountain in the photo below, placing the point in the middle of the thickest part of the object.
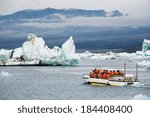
(56, 14)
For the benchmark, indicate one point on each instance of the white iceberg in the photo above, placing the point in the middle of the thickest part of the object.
(145, 49)
(146, 45)
(34, 51)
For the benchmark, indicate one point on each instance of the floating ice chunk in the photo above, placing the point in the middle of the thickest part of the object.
(125, 54)
(143, 63)
(103, 56)
(131, 56)
(100, 56)
(139, 53)
(86, 54)
(2, 73)
(141, 85)
(5, 54)
(148, 67)
(141, 97)
(145, 49)
(147, 53)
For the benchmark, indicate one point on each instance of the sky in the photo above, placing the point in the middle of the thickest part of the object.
(138, 8)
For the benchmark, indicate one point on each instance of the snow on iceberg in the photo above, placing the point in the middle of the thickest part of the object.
(68, 51)
(17, 53)
(63, 56)
(34, 51)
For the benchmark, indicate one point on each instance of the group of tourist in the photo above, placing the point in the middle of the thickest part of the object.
(105, 74)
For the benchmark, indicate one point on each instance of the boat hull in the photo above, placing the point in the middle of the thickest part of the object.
(108, 81)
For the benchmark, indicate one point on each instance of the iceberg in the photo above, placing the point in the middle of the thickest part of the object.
(34, 51)
(146, 45)
(145, 48)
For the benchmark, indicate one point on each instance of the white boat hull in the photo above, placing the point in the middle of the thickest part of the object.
(108, 81)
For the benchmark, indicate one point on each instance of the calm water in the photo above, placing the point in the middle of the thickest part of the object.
(65, 82)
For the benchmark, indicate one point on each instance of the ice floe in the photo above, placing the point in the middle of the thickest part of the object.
(2, 73)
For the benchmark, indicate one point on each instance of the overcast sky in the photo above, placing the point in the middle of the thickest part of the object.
(132, 7)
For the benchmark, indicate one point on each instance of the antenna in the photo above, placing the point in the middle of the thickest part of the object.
(124, 70)
(136, 72)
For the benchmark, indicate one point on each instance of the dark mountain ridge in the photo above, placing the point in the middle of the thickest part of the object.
(68, 13)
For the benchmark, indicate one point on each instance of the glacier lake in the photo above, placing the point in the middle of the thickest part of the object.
(66, 82)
